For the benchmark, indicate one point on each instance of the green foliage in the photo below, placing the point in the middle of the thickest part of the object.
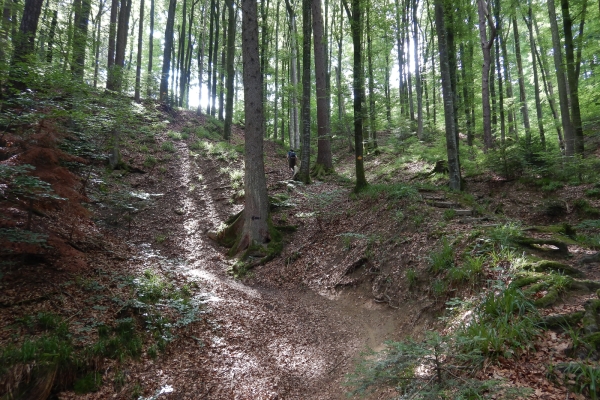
(168, 146)
(393, 192)
(449, 214)
(502, 324)
(430, 369)
(442, 259)
(411, 277)
(583, 207)
(88, 383)
(504, 235)
(469, 271)
(17, 183)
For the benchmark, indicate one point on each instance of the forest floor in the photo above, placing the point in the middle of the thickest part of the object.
(292, 328)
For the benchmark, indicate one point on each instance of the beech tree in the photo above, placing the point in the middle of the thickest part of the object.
(251, 226)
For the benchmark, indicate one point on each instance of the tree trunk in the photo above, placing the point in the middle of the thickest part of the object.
(294, 118)
(304, 173)
(200, 63)
(230, 69)
(150, 78)
(372, 137)
(548, 89)
(499, 73)
(181, 54)
(400, 45)
(223, 68)
(210, 54)
(451, 144)
(324, 158)
(24, 44)
(138, 67)
(50, 49)
(256, 206)
(355, 17)
(561, 82)
(276, 94)
(572, 75)
(82, 14)
(112, 39)
(121, 45)
(536, 82)
(417, 72)
(166, 67)
(522, 95)
(213, 85)
(483, 11)
(512, 129)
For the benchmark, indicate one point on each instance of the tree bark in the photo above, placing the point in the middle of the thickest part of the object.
(24, 44)
(294, 118)
(150, 78)
(563, 96)
(304, 173)
(417, 71)
(230, 69)
(256, 210)
(451, 141)
(213, 85)
(166, 67)
(324, 158)
(82, 14)
(138, 67)
(355, 17)
(572, 75)
(522, 95)
(112, 40)
(483, 11)
(536, 82)
(51, 35)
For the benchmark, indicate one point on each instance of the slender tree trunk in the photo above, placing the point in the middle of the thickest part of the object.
(355, 17)
(294, 118)
(324, 157)
(548, 89)
(483, 11)
(572, 75)
(213, 85)
(499, 72)
(112, 40)
(522, 95)
(138, 67)
(276, 94)
(264, 36)
(24, 43)
(509, 88)
(166, 67)
(400, 45)
(150, 80)
(230, 70)
(304, 173)
(417, 72)
(561, 82)
(82, 13)
(372, 137)
(200, 64)
(451, 143)
(466, 94)
(51, 35)
(223, 69)
(210, 53)
(116, 81)
(536, 82)
(181, 54)
(97, 31)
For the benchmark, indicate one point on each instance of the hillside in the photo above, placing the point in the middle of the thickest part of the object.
(118, 291)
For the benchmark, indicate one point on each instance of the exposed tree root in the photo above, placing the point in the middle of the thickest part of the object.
(538, 244)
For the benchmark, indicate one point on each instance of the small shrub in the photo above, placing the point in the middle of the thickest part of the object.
(594, 193)
(449, 214)
(442, 259)
(411, 277)
(150, 161)
(168, 146)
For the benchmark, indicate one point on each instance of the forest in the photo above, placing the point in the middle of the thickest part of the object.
(439, 237)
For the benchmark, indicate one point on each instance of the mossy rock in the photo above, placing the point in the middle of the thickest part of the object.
(525, 281)
(550, 298)
(592, 341)
(534, 243)
(562, 320)
(547, 266)
(591, 316)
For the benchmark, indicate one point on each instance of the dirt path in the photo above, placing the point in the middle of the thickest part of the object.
(256, 342)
